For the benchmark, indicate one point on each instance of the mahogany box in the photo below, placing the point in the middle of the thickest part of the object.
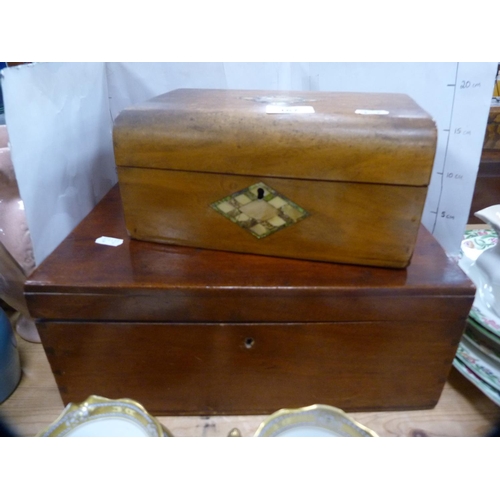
(186, 331)
(324, 176)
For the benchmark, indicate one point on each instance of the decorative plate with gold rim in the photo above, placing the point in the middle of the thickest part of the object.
(312, 421)
(102, 417)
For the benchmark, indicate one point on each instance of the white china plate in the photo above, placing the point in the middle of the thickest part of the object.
(487, 336)
(487, 390)
(485, 316)
(312, 421)
(477, 339)
(474, 243)
(483, 366)
(102, 417)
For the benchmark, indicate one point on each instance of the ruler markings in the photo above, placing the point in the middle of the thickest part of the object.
(446, 149)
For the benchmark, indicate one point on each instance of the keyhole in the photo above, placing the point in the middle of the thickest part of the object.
(260, 193)
(249, 342)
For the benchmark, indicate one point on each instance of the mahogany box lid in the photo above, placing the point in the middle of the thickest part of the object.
(151, 282)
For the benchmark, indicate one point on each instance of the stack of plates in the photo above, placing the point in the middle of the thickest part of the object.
(478, 355)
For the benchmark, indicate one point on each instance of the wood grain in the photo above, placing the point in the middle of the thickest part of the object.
(362, 177)
(229, 132)
(170, 326)
(461, 411)
(139, 281)
(175, 207)
(236, 369)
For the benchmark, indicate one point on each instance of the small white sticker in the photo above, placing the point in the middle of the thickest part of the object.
(106, 240)
(371, 112)
(272, 109)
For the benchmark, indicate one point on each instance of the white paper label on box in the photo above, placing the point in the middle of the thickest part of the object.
(107, 240)
(371, 112)
(272, 109)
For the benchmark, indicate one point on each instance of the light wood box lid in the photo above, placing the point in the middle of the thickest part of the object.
(353, 137)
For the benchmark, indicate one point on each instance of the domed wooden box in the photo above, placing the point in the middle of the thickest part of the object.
(323, 176)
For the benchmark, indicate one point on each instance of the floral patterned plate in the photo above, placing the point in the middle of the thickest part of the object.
(470, 375)
(485, 368)
(474, 243)
(485, 317)
(484, 340)
(477, 240)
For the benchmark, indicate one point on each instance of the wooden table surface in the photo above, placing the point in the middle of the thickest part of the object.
(462, 410)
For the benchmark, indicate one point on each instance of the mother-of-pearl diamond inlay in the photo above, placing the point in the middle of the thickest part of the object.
(260, 210)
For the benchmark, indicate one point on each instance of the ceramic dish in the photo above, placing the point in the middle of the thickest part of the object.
(312, 421)
(102, 417)
(487, 265)
(482, 339)
(485, 317)
(487, 390)
(484, 333)
(475, 242)
(482, 366)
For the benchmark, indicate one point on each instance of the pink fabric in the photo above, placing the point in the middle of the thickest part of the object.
(15, 239)
(14, 232)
